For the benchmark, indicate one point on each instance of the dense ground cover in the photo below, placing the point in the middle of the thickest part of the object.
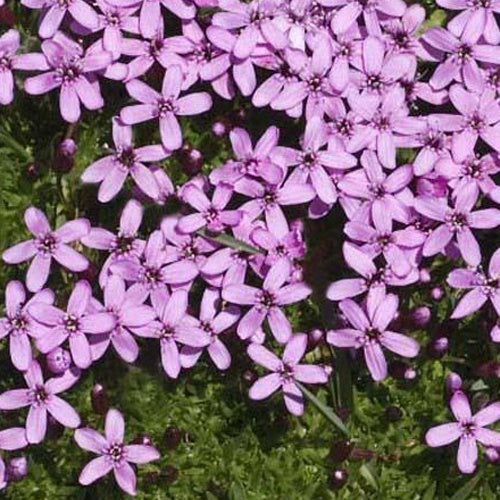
(214, 441)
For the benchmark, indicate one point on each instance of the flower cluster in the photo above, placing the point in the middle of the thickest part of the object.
(410, 164)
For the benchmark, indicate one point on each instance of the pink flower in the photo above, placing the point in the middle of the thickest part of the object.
(468, 429)
(114, 455)
(285, 372)
(42, 397)
(46, 245)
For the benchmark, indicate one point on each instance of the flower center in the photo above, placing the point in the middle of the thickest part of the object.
(485, 4)
(468, 428)
(115, 452)
(308, 159)
(456, 220)
(374, 82)
(46, 244)
(344, 127)
(123, 244)
(286, 372)
(5, 63)
(71, 323)
(476, 123)
(126, 157)
(166, 105)
(266, 299)
(206, 326)
(166, 332)
(38, 395)
(463, 53)
(69, 72)
(377, 190)
(372, 333)
(190, 250)
(19, 322)
(112, 18)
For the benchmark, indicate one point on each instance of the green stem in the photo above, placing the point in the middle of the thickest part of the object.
(229, 241)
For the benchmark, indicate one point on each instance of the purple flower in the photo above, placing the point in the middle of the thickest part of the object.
(112, 20)
(114, 455)
(479, 15)
(482, 287)
(129, 311)
(373, 277)
(480, 119)
(214, 323)
(71, 69)
(258, 161)
(456, 223)
(112, 171)
(79, 10)
(383, 195)
(285, 372)
(462, 56)
(350, 10)
(267, 302)
(211, 214)
(9, 44)
(468, 429)
(312, 162)
(152, 273)
(165, 106)
(10, 439)
(73, 324)
(46, 245)
(42, 397)
(18, 324)
(173, 328)
(124, 245)
(369, 331)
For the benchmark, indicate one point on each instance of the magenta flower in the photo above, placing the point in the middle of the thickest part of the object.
(10, 439)
(369, 331)
(461, 54)
(129, 311)
(124, 245)
(114, 455)
(312, 161)
(478, 15)
(456, 223)
(173, 328)
(46, 245)
(9, 44)
(71, 69)
(73, 324)
(18, 324)
(285, 372)
(482, 287)
(350, 10)
(267, 302)
(468, 429)
(215, 323)
(211, 214)
(258, 161)
(165, 106)
(42, 397)
(79, 10)
(152, 273)
(112, 171)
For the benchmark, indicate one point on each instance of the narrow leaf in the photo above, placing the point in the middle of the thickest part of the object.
(369, 473)
(229, 241)
(465, 491)
(326, 411)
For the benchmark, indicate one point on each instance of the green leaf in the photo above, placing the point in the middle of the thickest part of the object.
(237, 491)
(430, 492)
(465, 491)
(370, 474)
(326, 411)
(229, 241)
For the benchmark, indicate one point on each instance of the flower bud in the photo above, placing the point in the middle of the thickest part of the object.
(437, 293)
(172, 437)
(17, 468)
(489, 369)
(99, 399)
(421, 316)
(338, 478)
(453, 382)
(314, 337)
(438, 347)
(143, 439)
(393, 413)
(219, 129)
(58, 360)
(249, 376)
(170, 474)
(492, 455)
(191, 160)
(425, 276)
(54, 429)
(33, 171)
(65, 156)
(402, 371)
(340, 450)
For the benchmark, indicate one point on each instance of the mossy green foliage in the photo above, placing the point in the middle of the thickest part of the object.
(232, 448)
